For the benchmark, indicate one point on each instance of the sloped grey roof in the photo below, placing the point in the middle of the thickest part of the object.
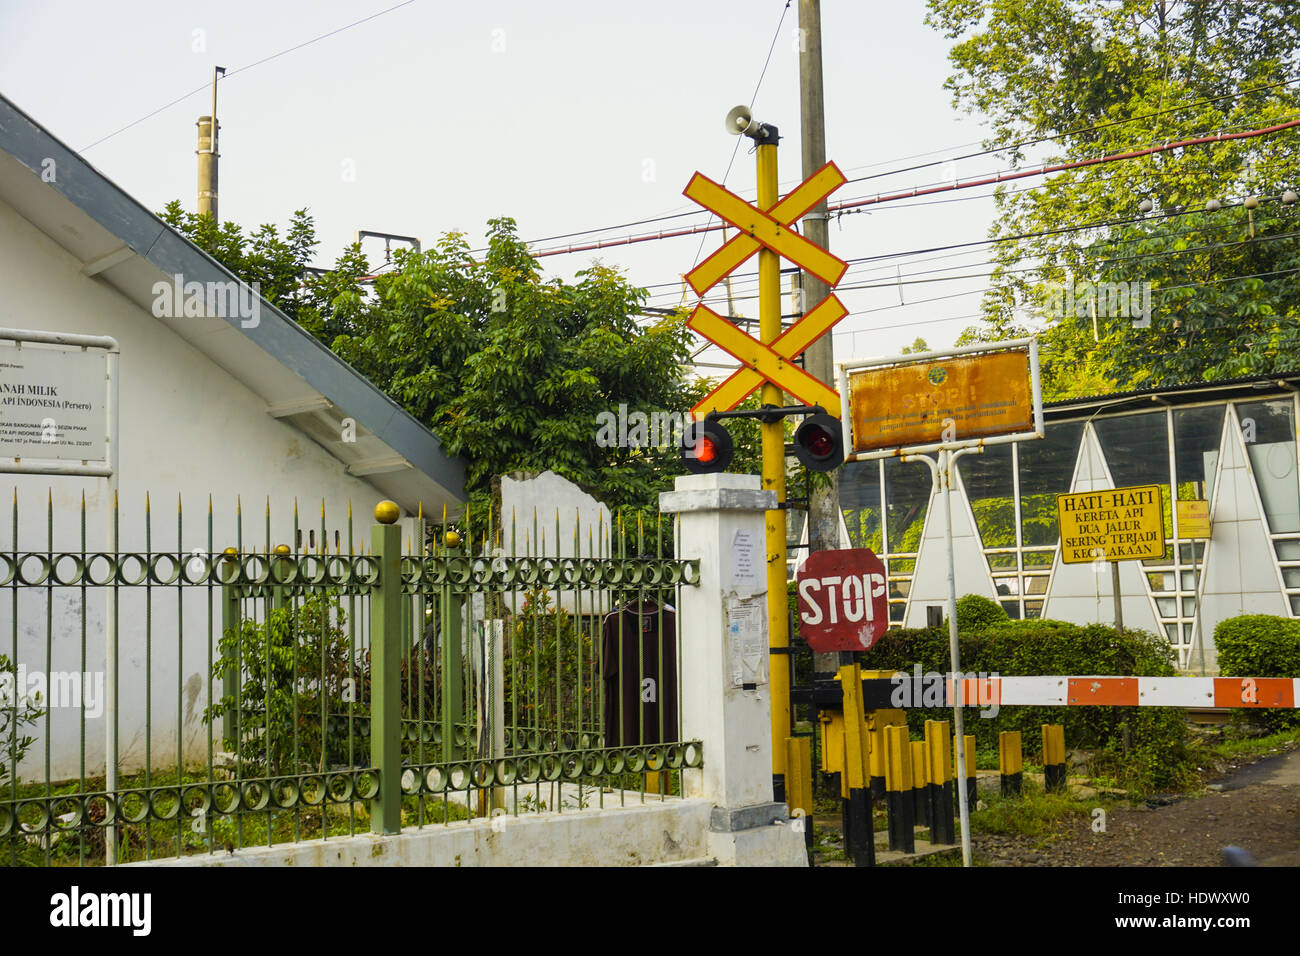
(121, 242)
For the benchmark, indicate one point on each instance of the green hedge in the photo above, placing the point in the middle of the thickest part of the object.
(1260, 645)
(974, 613)
(1154, 755)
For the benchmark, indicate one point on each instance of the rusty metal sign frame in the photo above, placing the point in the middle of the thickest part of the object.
(845, 369)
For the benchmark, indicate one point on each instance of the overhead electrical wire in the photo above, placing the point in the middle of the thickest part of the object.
(975, 244)
(908, 279)
(743, 282)
(948, 159)
(241, 69)
(1000, 177)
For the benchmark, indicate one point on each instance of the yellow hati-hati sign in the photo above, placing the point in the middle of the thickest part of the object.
(1118, 524)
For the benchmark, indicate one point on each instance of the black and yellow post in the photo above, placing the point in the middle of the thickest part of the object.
(877, 720)
(1011, 762)
(972, 780)
(846, 819)
(920, 777)
(859, 836)
(832, 748)
(876, 761)
(898, 789)
(1053, 758)
(943, 825)
(832, 723)
(798, 785)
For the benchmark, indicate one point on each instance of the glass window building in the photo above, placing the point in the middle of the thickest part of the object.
(1232, 444)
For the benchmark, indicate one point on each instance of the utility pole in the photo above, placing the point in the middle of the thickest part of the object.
(819, 358)
(207, 153)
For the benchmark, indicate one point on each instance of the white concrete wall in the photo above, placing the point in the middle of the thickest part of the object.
(1240, 575)
(930, 582)
(545, 515)
(188, 430)
(658, 833)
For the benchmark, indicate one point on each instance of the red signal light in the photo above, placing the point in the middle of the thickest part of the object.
(706, 448)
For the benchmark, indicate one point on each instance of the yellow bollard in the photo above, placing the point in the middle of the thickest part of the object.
(859, 835)
(1011, 762)
(943, 826)
(898, 785)
(1053, 758)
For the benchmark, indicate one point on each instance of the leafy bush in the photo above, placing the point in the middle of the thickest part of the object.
(550, 668)
(974, 613)
(1260, 645)
(17, 710)
(291, 664)
(1145, 749)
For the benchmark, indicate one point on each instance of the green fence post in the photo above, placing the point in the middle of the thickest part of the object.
(230, 679)
(386, 671)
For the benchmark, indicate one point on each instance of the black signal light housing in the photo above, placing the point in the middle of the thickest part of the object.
(819, 442)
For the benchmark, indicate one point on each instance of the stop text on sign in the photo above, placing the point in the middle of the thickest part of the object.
(853, 597)
(842, 601)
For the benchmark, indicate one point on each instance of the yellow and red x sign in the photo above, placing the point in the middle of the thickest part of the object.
(769, 228)
(765, 228)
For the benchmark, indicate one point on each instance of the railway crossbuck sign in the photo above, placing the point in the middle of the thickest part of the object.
(770, 228)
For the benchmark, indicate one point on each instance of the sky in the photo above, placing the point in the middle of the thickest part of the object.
(567, 115)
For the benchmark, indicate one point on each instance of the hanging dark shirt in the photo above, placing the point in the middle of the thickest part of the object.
(639, 626)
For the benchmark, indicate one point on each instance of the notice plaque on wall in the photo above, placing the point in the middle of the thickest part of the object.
(52, 403)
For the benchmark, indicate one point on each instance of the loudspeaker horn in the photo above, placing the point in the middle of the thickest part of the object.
(741, 121)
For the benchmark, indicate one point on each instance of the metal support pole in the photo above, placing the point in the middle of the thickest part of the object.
(386, 672)
(941, 472)
(1114, 590)
(769, 327)
(963, 804)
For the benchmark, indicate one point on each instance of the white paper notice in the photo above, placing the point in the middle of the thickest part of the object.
(744, 562)
(747, 640)
(52, 403)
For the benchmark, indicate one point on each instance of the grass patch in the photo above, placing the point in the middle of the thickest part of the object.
(1237, 746)
(1032, 814)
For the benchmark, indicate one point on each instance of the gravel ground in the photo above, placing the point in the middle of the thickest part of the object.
(1255, 807)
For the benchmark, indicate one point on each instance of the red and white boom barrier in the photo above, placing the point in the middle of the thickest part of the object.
(1059, 691)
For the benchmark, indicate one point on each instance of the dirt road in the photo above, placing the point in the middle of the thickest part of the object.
(1256, 808)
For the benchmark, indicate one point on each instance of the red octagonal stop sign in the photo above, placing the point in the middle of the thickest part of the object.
(842, 601)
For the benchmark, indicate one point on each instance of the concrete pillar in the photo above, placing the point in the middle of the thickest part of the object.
(726, 700)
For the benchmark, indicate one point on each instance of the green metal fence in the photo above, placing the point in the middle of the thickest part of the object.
(271, 692)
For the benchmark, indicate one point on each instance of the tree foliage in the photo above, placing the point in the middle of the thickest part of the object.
(508, 368)
(1069, 80)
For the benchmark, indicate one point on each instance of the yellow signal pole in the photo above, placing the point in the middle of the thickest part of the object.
(769, 328)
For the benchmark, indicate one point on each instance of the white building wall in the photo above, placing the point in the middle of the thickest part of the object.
(1083, 592)
(189, 430)
(1240, 574)
(930, 582)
